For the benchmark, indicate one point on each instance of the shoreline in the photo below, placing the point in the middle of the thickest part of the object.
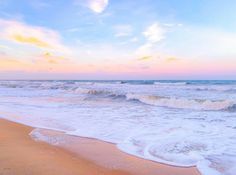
(21, 154)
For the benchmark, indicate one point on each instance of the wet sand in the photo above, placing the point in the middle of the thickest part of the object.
(21, 155)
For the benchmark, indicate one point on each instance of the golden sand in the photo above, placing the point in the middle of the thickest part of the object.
(21, 155)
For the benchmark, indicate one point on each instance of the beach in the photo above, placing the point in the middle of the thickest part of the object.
(117, 87)
(21, 155)
(136, 127)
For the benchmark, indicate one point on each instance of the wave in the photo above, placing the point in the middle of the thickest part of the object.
(100, 93)
(171, 83)
(183, 103)
(92, 91)
(229, 89)
(161, 101)
(106, 91)
(71, 85)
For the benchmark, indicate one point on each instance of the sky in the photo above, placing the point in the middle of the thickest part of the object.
(117, 39)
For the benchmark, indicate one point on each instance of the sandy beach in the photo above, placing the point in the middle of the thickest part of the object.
(117, 87)
(21, 155)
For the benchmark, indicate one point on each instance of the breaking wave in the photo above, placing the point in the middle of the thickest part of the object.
(182, 103)
(161, 101)
(171, 83)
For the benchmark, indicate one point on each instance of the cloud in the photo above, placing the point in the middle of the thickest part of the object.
(30, 40)
(173, 24)
(144, 58)
(97, 6)
(123, 30)
(172, 59)
(40, 37)
(154, 33)
(48, 57)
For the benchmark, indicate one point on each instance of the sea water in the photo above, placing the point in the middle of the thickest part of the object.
(182, 123)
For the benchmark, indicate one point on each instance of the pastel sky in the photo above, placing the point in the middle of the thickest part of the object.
(117, 39)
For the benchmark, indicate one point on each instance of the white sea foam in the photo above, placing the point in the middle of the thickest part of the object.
(170, 83)
(173, 124)
(182, 103)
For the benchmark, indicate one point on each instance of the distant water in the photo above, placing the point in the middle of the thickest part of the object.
(183, 123)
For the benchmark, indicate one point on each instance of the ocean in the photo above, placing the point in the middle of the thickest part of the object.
(181, 123)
